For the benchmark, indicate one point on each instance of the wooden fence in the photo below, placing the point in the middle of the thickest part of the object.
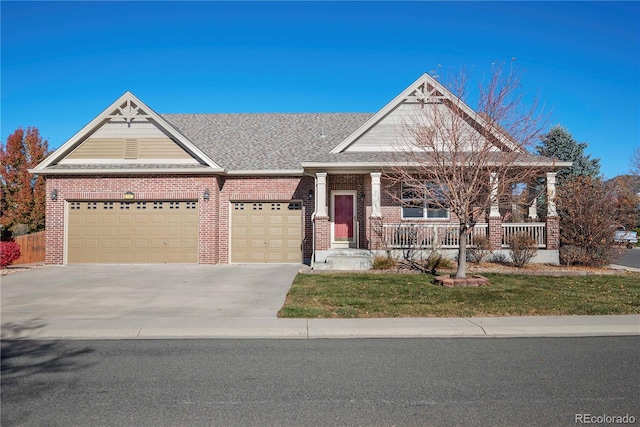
(31, 248)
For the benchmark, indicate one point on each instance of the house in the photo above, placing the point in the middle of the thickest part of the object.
(135, 186)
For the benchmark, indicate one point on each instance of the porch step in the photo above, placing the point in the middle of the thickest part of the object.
(346, 259)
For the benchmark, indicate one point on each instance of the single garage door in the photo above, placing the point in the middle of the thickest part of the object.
(132, 232)
(266, 232)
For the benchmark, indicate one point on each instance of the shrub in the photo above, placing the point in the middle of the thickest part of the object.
(571, 254)
(594, 256)
(589, 211)
(384, 263)
(9, 252)
(433, 262)
(500, 258)
(480, 251)
(436, 261)
(522, 248)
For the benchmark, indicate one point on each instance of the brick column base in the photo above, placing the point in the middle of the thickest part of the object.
(375, 233)
(495, 232)
(553, 232)
(323, 233)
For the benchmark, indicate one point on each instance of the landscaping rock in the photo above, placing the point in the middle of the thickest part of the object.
(448, 282)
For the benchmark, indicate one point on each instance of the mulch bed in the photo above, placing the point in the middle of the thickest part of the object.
(473, 269)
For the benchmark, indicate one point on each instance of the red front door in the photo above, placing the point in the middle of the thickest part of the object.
(343, 217)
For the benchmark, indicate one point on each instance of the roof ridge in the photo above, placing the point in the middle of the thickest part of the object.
(266, 113)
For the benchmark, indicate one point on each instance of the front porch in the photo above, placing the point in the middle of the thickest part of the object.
(356, 217)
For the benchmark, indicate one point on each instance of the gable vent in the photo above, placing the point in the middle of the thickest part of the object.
(130, 148)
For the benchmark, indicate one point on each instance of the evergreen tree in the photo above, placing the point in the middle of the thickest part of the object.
(559, 144)
(22, 195)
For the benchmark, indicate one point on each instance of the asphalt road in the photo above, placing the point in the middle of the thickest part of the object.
(385, 382)
(631, 258)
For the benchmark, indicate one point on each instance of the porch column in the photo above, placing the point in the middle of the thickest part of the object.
(321, 194)
(495, 221)
(553, 220)
(551, 194)
(495, 207)
(375, 195)
(533, 201)
(322, 227)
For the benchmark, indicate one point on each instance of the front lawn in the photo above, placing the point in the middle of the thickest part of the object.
(352, 295)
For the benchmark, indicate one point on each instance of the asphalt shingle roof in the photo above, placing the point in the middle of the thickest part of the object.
(269, 141)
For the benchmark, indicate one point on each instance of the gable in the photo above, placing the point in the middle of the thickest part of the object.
(425, 103)
(127, 136)
(116, 141)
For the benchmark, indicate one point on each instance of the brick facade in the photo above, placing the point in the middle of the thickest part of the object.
(213, 214)
(495, 232)
(553, 232)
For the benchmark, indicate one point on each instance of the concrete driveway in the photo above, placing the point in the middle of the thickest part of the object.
(137, 292)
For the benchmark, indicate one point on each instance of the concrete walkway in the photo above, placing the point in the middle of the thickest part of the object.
(132, 302)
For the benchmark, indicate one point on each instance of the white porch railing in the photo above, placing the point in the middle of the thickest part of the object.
(537, 231)
(423, 236)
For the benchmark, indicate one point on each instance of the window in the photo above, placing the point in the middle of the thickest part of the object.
(416, 204)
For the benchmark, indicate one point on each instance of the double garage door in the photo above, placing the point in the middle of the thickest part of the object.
(132, 232)
(141, 232)
(266, 232)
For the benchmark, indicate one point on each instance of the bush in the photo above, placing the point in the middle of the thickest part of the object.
(571, 254)
(480, 251)
(589, 211)
(384, 263)
(9, 252)
(429, 265)
(500, 258)
(594, 256)
(522, 248)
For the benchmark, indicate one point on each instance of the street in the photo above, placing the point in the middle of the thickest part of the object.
(367, 382)
(631, 258)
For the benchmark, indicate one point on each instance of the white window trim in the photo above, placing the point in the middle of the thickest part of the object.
(425, 210)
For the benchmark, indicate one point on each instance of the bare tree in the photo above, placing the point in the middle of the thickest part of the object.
(590, 209)
(635, 162)
(462, 160)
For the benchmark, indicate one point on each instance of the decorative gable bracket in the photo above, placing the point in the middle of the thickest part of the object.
(425, 94)
(128, 112)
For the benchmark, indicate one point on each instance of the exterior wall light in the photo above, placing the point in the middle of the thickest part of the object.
(54, 194)
(310, 195)
(206, 195)
(129, 195)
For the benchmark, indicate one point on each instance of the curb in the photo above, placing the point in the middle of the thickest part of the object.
(269, 328)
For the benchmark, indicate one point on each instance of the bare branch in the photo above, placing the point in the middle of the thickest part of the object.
(447, 151)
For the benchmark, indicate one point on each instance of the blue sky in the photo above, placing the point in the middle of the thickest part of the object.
(64, 62)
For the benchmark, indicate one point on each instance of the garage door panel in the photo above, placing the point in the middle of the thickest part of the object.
(107, 243)
(266, 232)
(132, 232)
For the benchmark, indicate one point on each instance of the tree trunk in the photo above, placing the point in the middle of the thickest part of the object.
(461, 273)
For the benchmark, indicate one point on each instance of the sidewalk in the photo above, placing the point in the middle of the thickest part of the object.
(271, 328)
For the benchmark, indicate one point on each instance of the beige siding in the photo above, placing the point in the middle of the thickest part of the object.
(160, 148)
(134, 129)
(129, 148)
(99, 148)
(392, 132)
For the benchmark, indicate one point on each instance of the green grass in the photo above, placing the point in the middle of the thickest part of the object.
(347, 295)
